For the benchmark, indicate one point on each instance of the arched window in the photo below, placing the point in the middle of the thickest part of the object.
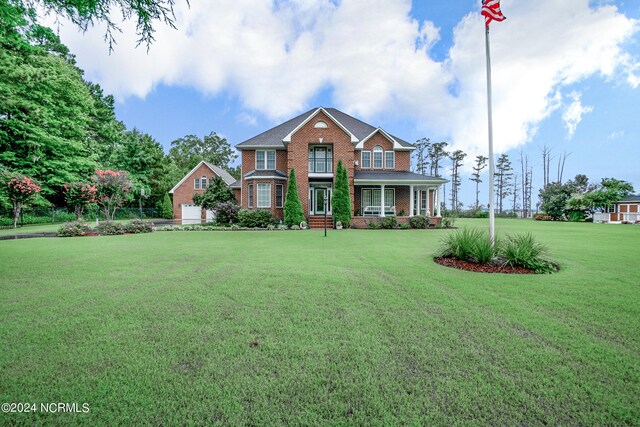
(204, 182)
(320, 124)
(377, 157)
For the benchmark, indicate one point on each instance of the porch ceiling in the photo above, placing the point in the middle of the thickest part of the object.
(394, 178)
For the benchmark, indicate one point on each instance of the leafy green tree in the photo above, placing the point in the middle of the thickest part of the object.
(216, 192)
(165, 208)
(293, 213)
(85, 13)
(45, 106)
(113, 189)
(21, 190)
(79, 195)
(503, 177)
(341, 199)
(609, 191)
(554, 199)
(188, 151)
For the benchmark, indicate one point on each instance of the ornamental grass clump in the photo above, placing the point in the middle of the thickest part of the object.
(522, 250)
(463, 244)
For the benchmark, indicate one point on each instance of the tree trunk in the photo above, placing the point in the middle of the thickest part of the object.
(17, 207)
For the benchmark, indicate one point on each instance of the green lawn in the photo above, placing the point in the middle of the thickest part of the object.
(46, 228)
(360, 328)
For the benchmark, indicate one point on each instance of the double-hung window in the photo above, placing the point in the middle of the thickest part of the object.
(365, 160)
(196, 183)
(389, 159)
(265, 159)
(264, 195)
(279, 191)
(204, 182)
(377, 157)
(250, 195)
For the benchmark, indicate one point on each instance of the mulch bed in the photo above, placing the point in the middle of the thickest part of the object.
(481, 268)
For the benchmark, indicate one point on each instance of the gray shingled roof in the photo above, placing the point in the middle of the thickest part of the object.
(274, 136)
(265, 173)
(632, 199)
(226, 177)
(394, 176)
(237, 184)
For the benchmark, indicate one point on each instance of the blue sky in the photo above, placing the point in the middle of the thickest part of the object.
(566, 74)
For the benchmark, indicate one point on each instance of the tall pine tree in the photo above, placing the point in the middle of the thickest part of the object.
(341, 200)
(293, 213)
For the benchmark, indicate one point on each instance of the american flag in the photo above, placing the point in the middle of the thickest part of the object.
(491, 11)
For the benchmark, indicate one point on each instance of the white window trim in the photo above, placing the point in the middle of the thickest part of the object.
(363, 205)
(362, 159)
(281, 195)
(196, 183)
(258, 205)
(373, 160)
(266, 161)
(204, 182)
(250, 196)
(393, 163)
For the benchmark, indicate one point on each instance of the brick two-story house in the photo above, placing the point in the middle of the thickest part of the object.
(378, 166)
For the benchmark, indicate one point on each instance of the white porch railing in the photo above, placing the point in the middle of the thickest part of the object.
(601, 217)
(375, 210)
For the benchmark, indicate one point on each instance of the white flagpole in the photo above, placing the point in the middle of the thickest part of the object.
(491, 210)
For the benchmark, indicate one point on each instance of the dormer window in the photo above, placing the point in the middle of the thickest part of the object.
(320, 125)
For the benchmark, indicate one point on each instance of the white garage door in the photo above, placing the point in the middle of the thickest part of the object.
(191, 214)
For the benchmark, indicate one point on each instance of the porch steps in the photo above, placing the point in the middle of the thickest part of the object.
(317, 221)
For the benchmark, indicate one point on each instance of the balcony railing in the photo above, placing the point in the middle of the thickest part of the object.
(321, 165)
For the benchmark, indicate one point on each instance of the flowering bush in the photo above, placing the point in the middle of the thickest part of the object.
(73, 229)
(21, 190)
(79, 195)
(113, 188)
(110, 228)
(138, 226)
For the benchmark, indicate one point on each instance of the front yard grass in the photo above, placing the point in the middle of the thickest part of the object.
(359, 328)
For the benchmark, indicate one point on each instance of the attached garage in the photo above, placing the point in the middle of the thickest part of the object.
(191, 214)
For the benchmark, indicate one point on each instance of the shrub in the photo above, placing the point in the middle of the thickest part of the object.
(389, 222)
(404, 226)
(283, 227)
(235, 227)
(110, 228)
(73, 229)
(293, 213)
(165, 207)
(575, 216)
(255, 218)
(295, 227)
(226, 212)
(138, 226)
(341, 198)
(271, 227)
(481, 214)
(524, 251)
(448, 222)
(419, 221)
(541, 217)
(374, 225)
(468, 244)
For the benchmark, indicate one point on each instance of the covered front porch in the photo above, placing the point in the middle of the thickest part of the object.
(398, 193)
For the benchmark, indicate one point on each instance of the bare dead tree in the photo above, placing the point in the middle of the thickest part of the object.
(546, 159)
(457, 158)
(561, 161)
(515, 194)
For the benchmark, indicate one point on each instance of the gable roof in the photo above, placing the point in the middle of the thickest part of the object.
(630, 198)
(226, 177)
(277, 137)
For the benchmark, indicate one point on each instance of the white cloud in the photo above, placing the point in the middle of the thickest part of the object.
(616, 135)
(572, 114)
(375, 59)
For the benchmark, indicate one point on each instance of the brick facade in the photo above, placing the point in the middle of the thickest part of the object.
(185, 191)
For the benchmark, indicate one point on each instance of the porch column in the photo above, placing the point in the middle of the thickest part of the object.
(429, 206)
(382, 200)
(437, 201)
(411, 201)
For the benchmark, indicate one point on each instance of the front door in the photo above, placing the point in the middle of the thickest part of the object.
(318, 195)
